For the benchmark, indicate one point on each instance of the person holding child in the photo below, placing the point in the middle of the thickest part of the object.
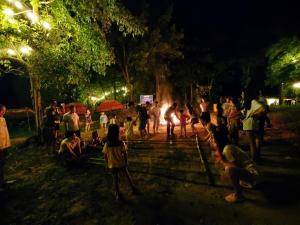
(115, 154)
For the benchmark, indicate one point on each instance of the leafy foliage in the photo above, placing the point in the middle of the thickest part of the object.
(74, 47)
(284, 61)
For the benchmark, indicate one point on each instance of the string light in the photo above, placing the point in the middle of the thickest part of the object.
(46, 25)
(8, 12)
(32, 16)
(11, 52)
(18, 5)
(25, 50)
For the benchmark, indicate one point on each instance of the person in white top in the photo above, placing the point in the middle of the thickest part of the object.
(103, 121)
(4, 143)
(155, 111)
(71, 121)
(251, 127)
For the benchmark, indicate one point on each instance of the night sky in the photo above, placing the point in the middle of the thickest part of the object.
(237, 27)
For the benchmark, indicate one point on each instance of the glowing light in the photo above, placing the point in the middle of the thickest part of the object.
(46, 25)
(32, 16)
(296, 85)
(93, 98)
(11, 20)
(272, 101)
(163, 109)
(11, 52)
(18, 5)
(8, 12)
(25, 50)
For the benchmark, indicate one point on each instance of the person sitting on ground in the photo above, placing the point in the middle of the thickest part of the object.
(183, 119)
(115, 154)
(240, 169)
(96, 141)
(70, 149)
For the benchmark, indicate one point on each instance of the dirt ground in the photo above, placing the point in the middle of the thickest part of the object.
(172, 181)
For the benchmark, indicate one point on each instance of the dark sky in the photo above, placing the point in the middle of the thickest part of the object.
(243, 22)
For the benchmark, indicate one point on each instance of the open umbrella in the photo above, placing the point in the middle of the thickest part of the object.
(109, 105)
(80, 108)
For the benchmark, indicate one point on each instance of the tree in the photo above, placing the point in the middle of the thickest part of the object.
(284, 61)
(60, 42)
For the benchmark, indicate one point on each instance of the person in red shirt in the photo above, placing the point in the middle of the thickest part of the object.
(184, 117)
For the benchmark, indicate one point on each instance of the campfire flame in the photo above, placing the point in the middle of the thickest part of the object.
(163, 109)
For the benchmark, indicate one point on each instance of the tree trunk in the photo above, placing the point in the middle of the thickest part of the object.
(158, 86)
(37, 102)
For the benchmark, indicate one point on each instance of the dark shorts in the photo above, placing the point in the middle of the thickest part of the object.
(49, 134)
(142, 125)
(205, 117)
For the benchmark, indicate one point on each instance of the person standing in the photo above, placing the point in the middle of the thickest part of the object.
(49, 132)
(251, 127)
(88, 120)
(115, 154)
(194, 118)
(155, 111)
(184, 117)
(103, 121)
(205, 114)
(143, 117)
(4, 144)
(172, 110)
(55, 110)
(71, 121)
(148, 108)
(233, 120)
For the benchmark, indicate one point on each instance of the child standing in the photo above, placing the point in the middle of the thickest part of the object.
(4, 144)
(103, 121)
(129, 128)
(183, 118)
(115, 154)
(88, 120)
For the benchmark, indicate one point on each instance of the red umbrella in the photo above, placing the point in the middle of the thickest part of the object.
(80, 108)
(109, 105)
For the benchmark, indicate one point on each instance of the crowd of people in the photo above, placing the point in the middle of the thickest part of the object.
(233, 115)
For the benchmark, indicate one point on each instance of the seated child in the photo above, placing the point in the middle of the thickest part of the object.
(70, 149)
